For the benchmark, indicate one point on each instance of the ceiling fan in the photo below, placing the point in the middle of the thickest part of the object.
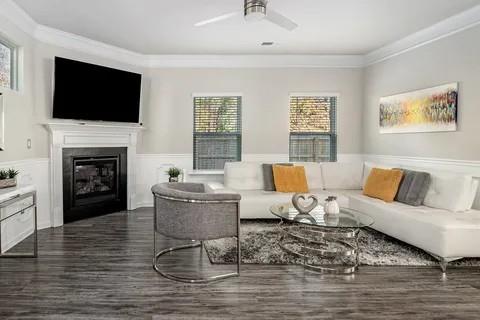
(255, 10)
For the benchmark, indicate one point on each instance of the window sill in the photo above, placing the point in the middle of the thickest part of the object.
(204, 172)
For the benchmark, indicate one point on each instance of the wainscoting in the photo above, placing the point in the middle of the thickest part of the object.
(150, 169)
(456, 166)
(36, 172)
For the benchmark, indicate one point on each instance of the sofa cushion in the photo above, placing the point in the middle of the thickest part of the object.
(438, 231)
(449, 191)
(383, 184)
(347, 176)
(413, 188)
(268, 181)
(243, 176)
(313, 171)
(290, 179)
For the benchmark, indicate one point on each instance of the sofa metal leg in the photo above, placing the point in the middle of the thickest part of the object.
(443, 262)
(443, 265)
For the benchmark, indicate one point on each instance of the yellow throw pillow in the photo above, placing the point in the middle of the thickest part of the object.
(290, 179)
(383, 184)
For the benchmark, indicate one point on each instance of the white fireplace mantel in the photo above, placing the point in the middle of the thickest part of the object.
(83, 135)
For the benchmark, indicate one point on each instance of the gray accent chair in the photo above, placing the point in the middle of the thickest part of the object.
(188, 211)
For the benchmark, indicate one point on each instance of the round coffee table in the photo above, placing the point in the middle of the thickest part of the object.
(317, 236)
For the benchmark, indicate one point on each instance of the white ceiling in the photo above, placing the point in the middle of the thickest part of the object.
(166, 26)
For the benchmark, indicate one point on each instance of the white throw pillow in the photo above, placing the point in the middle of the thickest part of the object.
(449, 191)
(313, 173)
(346, 176)
(473, 194)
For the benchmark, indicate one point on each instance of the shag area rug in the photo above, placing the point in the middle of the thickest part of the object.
(259, 244)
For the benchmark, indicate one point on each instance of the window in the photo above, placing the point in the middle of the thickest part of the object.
(7, 65)
(217, 131)
(313, 130)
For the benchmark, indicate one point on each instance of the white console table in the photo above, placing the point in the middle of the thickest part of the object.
(18, 220)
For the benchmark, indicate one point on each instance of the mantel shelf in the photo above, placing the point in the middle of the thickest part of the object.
(86, 126)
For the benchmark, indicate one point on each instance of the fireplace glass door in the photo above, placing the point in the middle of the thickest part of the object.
(95, 180)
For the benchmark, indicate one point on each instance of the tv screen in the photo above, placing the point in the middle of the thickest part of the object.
(85, 91)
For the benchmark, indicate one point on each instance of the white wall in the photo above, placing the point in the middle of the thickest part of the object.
(452, 59)
(265, 105)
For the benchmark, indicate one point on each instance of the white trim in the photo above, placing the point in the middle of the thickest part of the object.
(217, 94)
(450, 26)
(16, 15)
(75, 42)
(204, 172)
(424, 160)
(314, 94)
(255, 61)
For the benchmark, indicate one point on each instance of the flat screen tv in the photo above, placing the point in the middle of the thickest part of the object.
(85, 91)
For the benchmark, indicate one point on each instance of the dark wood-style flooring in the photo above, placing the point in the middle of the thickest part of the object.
(101, 269)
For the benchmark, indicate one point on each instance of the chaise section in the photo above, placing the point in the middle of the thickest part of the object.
(440, 232)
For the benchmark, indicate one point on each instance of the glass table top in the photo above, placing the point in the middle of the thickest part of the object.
(347, 218)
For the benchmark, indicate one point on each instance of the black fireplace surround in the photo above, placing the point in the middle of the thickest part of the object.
(94, 182)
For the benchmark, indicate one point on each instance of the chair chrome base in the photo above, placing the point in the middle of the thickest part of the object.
(185, 279)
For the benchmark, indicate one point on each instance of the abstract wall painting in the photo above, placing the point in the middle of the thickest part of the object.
(428, 110)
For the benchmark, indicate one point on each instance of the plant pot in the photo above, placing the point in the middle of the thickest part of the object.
(173, 179)
(8, 183)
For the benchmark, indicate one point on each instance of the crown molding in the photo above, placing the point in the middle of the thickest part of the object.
(450, 26)
(255, 61)
(17, 16)
(460, 22)
(75, 42)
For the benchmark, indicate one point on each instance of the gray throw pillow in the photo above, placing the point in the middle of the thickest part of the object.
(413, 188)
(268, 182)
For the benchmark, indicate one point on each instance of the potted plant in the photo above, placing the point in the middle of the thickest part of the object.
(173, 174)
(8, 178)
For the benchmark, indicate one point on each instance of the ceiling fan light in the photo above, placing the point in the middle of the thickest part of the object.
(255, 10)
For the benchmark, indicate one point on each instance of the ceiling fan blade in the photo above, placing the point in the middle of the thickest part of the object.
(280, 20)
(216, 19)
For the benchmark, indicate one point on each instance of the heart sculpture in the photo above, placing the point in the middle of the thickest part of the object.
(301, 208)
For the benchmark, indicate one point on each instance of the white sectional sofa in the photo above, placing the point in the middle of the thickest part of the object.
(445, 234)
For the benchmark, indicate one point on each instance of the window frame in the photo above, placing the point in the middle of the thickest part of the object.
(333, 117)
(13, 63)
(238, 134)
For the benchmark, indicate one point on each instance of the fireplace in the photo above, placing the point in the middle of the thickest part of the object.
(94, 182)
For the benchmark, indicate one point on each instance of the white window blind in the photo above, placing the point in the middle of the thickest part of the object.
(313, 131)
(217, 131)
(7, 65)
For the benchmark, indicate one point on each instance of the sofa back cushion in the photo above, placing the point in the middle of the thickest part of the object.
(450, 191)
(290, 179)
(346, 176)
(243, 176)
(413, 188)
(383, 184)
(313, 171)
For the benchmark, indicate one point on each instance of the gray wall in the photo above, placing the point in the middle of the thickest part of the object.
(265, 109)
(452, 59)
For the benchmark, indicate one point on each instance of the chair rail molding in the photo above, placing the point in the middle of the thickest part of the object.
(82, 135)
